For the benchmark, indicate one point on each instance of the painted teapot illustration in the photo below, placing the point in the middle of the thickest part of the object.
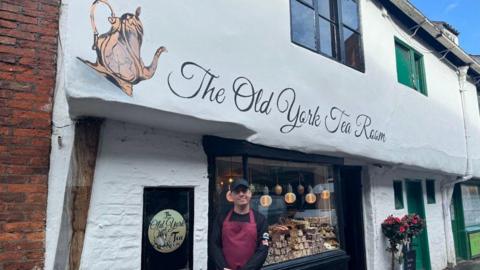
(118, 50)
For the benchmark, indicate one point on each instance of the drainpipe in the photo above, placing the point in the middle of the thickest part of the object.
(462, 78)
(447, 188)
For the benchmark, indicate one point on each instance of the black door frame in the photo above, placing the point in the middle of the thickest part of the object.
(353, 213)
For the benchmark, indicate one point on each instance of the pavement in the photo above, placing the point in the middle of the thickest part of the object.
(469, 265)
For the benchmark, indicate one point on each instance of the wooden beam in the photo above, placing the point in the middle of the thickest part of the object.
(84, 155)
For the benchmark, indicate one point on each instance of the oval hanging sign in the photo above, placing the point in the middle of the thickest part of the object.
(167, 231)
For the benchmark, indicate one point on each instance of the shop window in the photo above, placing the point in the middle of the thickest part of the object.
(398, 194)
(410, 68)
(430, 191)
(471, 204)
(301, 208)
(227, 169)
(330, 28)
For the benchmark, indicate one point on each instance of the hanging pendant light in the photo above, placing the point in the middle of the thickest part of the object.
(325, 195)
(290, 197)
(278, 189)
(310, 198)
(300, 187)
(230, 181)
(265, 200)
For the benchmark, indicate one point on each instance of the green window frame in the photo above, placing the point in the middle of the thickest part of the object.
(398, 194)
(410, 67)
(430, 186)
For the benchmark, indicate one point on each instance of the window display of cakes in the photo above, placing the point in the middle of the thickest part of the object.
(295, 238)
(298, 200)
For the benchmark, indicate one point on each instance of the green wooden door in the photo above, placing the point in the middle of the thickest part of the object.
(458, 224)
(416, 205)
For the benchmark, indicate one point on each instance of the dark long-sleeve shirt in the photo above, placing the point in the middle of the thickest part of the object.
(215, 241)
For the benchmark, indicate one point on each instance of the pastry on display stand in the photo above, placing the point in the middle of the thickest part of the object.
(295, 238)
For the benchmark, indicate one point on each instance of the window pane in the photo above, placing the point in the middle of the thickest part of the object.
(302, 200)
(326, 9)
(227, 170)
(350, 13)
(353, 52)
(419, 77)
(398, 194)
(327, 38)
(404, 65)
(303, 24)
(430, 191)
(471, 204)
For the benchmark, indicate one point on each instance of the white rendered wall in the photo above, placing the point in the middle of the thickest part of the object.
(379, 203)
(473, 120)
(252, 39)
(63, 133)
(130, 158)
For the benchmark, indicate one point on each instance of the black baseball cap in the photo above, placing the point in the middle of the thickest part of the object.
(239, 183)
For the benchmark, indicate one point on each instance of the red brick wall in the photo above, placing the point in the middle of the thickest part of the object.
(28, 49)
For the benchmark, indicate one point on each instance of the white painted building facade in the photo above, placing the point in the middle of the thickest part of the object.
(154, 138)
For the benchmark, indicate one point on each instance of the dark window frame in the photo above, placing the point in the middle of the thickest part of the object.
(219, 147)
(339, 32)
(398, 194)
(430, 190)
(189, 240)
(419, 83)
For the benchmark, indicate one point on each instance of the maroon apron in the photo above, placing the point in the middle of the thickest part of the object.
(239, 241)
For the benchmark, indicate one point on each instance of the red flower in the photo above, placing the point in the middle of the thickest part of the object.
(414, 221)
(402, 229)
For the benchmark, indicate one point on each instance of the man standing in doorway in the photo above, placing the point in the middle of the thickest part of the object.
(239, 238)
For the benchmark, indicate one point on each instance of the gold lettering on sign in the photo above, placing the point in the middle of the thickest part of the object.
(167, 231)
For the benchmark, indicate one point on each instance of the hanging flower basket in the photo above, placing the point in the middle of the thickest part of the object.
(415, 225)
(400, 232)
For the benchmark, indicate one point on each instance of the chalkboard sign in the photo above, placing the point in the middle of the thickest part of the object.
(409, 262)
(167, 234)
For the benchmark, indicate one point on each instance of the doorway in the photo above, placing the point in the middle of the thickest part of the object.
(353, 216)
(416, 205)
(458, 224)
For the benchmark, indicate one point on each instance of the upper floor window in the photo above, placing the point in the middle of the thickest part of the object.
(410, 69)
(478, 97)
(329, 27)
